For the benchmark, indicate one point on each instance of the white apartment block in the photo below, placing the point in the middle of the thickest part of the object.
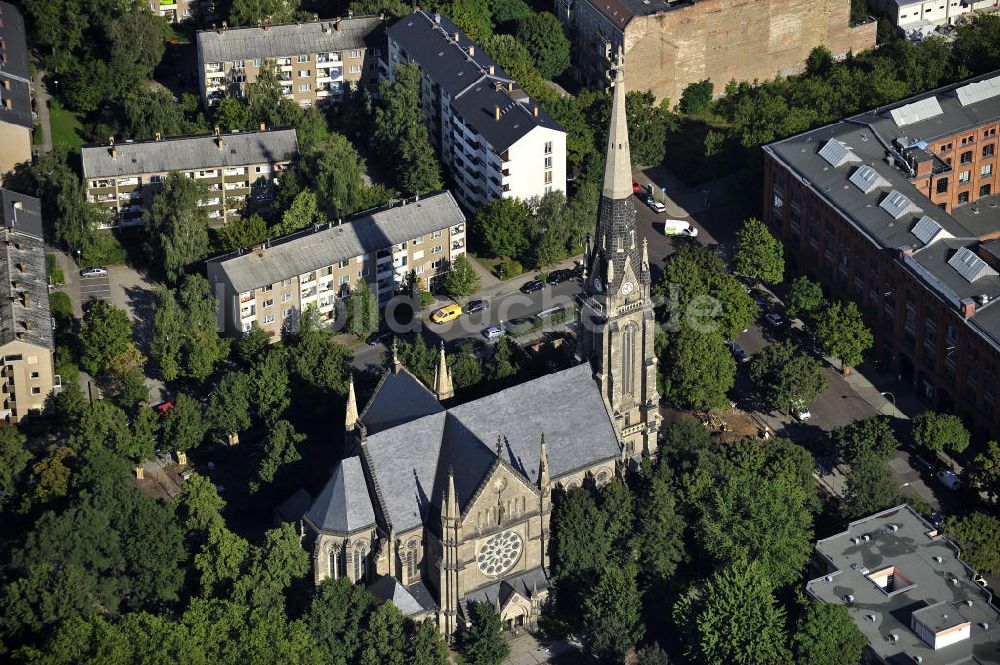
(174, 11)
(496, 141)
(240, 171)
(271, 284)
(922, 16)
(317, 61)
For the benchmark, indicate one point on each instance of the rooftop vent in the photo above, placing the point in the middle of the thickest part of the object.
(970, 266)
(836, 153)
(978, 91)
(916, 112)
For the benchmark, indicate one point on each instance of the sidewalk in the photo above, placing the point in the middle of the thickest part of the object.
(525, 649)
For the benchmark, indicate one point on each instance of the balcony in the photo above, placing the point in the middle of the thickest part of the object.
(236, 171)
(247, 312)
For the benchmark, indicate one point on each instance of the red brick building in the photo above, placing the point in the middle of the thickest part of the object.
(896, 210)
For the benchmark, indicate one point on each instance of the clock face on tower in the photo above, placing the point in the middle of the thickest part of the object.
(627, 288)
(499, 553)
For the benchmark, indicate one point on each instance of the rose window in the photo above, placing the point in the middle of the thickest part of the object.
(499, 553)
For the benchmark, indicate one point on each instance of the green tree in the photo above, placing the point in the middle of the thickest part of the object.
(199, 507)
(221, 559)
(784, 375)
(659, 534)
(462, 279)
(383, 637)
(50, 476)
(318, 360)
(869, 437)
(976, 44)
(505, 361)
(427, 645)
(509, 11)
(466, 370)
(106, 333)
(985, 470)
(185, 426)
(612, 613)
(978, 536)
(401, 132)
(842, 334)
(302, 214)
(580, 544)
(758, 254)
(232, 113)
(652, 655)
(273, 569)
(336, 615)
(229, 405)
(253, 346)
(870, 487)
(696, 97)
(362, 310)
(698, 369)
(243, 232)
(737, 619)
(270, 385)
(481, 642)
(176, 226)
(543, 36)
(14, 459)
(805, 298)
(137, 44)
(280, 448)
(940, 431)
(472, 16)
(502, 223)
(186, 341)
(337, 172)
(253, 12)
(827, 635)
(146, 113)
(145, 432)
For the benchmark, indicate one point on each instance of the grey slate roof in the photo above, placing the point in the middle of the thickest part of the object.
(408, 600)
(912, 551)
(286, 39)
(343, 505)
(524, 584)
(25, 216)
(14, 69)
(398, 398)
(411, 460)
(187, 153)
(24, 309)
(366, 232)
(294, 507)
(429, 41)
(867, 135)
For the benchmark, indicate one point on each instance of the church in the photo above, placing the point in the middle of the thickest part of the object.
(442, 505)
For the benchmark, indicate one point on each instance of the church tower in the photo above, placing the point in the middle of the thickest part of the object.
(617, 324)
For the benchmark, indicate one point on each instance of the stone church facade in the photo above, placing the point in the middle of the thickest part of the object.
(439, 505)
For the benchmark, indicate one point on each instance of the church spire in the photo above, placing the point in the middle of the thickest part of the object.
(351, 417)
(443, 387)
(543, 466)
(618, 164)
(397, 366)
(451, 499)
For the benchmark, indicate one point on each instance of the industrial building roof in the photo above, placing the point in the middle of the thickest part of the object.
(919, 574)
(326, 244)
(186, 153)
(24, 310)
(880, 200)
(286, 40)
(475, 93)
(15, 73)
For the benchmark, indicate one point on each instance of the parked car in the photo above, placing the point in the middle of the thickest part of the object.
(774, 319)
(533, 286)
(949, 479)
(636, 187)
(446, 313)
(494, 332)
(739, 352)
(655, 205)
(94, 272)
(678, 227)
(558, 276)
(476, 306)
(936, 519)
(800, 411)
(379, 337)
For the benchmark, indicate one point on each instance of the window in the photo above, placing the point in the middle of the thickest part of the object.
(359, 562)
(256, 62)
(984, 190)
(305, 87)
(966, 157)
(437, 249)
(344, 280)
(363, 272)
(269, 319)
(304, 73)
(548, 162)
(986, 170)
(418, 240)
(354, 54)
(355, 69)
(34, 375)
(942, 185)
(303, 58)
(548, 177)
(265, 289)
(286, 297)
(436, 234)
(548, 147)
(287, 282)
(628, 359)
(285, 313)
(988, 150)
(345, 263)
(268, 303)
(36, 390)
(963, 197)
(963, 177)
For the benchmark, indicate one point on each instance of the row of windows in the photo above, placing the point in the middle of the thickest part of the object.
(257, 62)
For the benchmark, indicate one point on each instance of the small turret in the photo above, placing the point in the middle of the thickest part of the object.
(351, 417)
(443, 387)
(543, 466)
(397, 366)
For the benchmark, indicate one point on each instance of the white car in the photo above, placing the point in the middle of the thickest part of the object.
(94, 272)
(678, 227)
(800, 411)
(655, 205)
(494, 332)
(948, 478)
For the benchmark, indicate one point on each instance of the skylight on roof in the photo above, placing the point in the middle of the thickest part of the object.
(898, 204)
(916, 112)
(927, 230)
(867, 179)
(978, 91)
(836, 153)
(970, 266)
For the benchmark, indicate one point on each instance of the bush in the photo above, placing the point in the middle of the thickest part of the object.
(61, 306)
(509, 269)
(56, 276)
(696, 97)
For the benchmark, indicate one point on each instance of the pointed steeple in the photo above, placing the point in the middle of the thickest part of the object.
(644, 266)
(443, 387)
(351, 417)
(451, 499)
(618, 167)
(543, 465)
(397, 366)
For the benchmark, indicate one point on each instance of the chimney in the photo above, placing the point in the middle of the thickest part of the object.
(472, 50)
(113, 151)
(224, 26)
(315, 17)
(158, 136)
(381, 16)
(968, 307)
(536, 110)
(350, 13)
(267, 22)
(416, 8)
(217, 132)
(510, 86)
(497, 111)
(492, 70)
(336, 25)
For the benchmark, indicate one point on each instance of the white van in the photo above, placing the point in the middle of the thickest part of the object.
(676, 227)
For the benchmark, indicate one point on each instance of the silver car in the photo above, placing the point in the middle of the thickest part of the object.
(494, 332)
(94, 272)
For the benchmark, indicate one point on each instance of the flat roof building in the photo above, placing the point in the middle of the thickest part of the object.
(897, 210)
(26, 340)
(908, 591)
(317, 61)
(271, 284)
(496, 141)
(240, 170)
(16, 118)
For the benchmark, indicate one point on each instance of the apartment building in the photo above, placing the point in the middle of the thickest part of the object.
(921, 17)
(907, 590)
(897, 210)
(16, 118)
(26, 342)
(496, 141)
(317, 61)
(240, 171)
(670, 44)
(174, 11)
(269, 285)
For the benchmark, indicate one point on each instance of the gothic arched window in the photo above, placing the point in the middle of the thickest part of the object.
(628, 359)
(359, 563)
(334, 555)
(412, 569)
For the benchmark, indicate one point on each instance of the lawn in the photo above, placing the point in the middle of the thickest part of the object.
(66, 126)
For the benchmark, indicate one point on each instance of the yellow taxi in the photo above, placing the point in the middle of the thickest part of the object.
(446, 313)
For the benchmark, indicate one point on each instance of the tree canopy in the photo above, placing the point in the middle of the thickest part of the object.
(940, 431)
(177, 226)
(842, 333)
(784, 376)
(758, 254)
